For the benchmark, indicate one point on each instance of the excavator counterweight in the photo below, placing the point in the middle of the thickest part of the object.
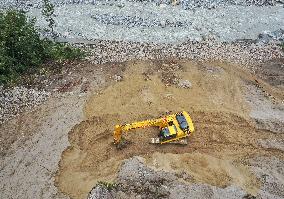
(172, 127)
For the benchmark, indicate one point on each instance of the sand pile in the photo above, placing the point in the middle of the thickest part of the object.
(225, 136)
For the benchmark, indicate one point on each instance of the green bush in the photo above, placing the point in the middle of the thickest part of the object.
(22, 50)
(108, 185)
(61, 52)
(20, 45)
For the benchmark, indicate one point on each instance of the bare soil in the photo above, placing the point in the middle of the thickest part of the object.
(32, 142)
(217, 153)
(238, 118)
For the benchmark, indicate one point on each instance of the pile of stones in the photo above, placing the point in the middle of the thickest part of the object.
(133, 21)
(246, 53)
(136, 180)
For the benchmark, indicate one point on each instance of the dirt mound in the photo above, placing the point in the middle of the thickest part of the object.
(224, 137)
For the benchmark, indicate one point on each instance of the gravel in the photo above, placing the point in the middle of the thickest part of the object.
(100, 192)
(117, 78)
(136, 180)
(18, 99)
(270, 170)
(246, 54)
(161, 24)
(185, 4)
(132, 21)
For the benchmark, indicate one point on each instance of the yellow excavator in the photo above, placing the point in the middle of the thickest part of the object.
(173, 128)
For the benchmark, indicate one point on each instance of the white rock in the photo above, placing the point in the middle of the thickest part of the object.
(117, 78)
(184, 84)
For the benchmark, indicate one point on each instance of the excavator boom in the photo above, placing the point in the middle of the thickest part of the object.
(162, 122)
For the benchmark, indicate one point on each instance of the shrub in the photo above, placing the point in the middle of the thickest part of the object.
(20, 45)
(61, 52)
(48, 13)
(108, 185)
(21, 48)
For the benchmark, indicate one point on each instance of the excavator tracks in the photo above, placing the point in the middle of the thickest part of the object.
(158, 141)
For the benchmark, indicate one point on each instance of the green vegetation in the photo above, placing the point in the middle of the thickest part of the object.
(20, 45)
(22, 50)
(48, 13)
(61, 52)
(108, 185)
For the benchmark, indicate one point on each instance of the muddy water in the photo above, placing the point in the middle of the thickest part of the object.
(224, 135)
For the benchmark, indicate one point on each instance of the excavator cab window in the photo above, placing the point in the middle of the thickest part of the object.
(164, 133)
(182, 122)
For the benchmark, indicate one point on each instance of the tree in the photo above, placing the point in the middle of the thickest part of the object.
(20, 45)
(48, 13)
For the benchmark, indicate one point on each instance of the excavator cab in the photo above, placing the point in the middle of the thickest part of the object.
(168, 133)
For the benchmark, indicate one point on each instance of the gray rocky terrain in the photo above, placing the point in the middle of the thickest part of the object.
(151, 23)
(162, 22)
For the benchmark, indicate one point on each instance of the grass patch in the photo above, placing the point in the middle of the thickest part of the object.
(108, 185)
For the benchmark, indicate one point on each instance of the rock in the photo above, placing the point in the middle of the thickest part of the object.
(184, 84)
(267, 36)
(136, 180)
(163, 23)
(100, 192)
(117, 78)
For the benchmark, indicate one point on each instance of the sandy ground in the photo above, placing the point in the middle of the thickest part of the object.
(29, 171)
(225, 135)
(32, 143)
(64, 147)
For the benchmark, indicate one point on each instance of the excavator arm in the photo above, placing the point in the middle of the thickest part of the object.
(119, 129)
